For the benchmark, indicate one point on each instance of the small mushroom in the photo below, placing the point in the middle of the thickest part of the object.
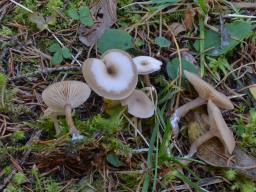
(206, 92)
(62, 97)
(218, 128)
(114, 76)
(146, 65)
(140, 106)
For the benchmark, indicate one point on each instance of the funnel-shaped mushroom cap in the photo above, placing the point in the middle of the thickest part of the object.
(60, 94)
(139, 105)
(114, 77)
(146, 65)
(206, 91)
(219, 127)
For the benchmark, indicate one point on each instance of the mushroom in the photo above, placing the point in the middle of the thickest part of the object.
(146, 65)
(62, 97)
(206, 92)
(140, 106)
(218, 128)
(114, 76)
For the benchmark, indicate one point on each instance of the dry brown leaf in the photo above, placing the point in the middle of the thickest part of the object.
(188, 18)
(104, 14)
(213, 153)
(177, 28)
(41, 21)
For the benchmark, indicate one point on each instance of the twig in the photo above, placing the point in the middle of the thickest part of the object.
(45, 71)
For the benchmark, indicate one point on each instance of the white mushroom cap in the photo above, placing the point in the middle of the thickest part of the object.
(146, 65)
(114, 77)
(220, 128)
(139, 105)
(206, 91)
(60, 94)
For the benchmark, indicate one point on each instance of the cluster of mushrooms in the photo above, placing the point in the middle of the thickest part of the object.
(114, 76)
(214, 100)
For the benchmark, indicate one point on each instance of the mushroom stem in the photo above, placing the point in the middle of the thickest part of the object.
(146, 80)
(135, 123)
(199, 141)
(70, 122)
(181, 111)
(56, 124)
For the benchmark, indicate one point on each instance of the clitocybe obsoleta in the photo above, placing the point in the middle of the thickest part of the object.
(206, 92)
(114, 76)
(64, 96)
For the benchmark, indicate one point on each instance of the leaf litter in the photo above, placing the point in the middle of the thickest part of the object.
(108, 149)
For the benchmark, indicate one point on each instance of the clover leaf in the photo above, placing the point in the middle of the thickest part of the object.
(59, 53)
(83, 15)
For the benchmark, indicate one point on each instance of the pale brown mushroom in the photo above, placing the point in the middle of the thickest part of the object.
(64, 96)
(147, 65)
(206, 92)
(139, 105)
(114, 76)
(218, 128)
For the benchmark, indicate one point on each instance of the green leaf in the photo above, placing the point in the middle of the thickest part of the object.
(84, 11)
(87, 21)
(54, 47)
(162, 42)
(114, 160)
(202, 5)
(73, 14)
(114, 39)
(236, 32)
(66, 53)
(57, 58)
(172, 68)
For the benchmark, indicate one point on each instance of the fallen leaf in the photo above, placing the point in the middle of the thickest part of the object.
(188, 18)
(41, 21)
(114, 39)
(177, 28)
(213, 153)
(237, 32)
(104, 14)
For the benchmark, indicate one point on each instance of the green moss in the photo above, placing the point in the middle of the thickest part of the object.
(21, 15)
(19, 178)
(115, 145)
(17, 136)
(130, 180)
(11, 188)
(230, 174)
(98, 123)
(6, 31)
(52, 6)
(246, 132)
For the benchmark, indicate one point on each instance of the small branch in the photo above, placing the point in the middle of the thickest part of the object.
(45, 72)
